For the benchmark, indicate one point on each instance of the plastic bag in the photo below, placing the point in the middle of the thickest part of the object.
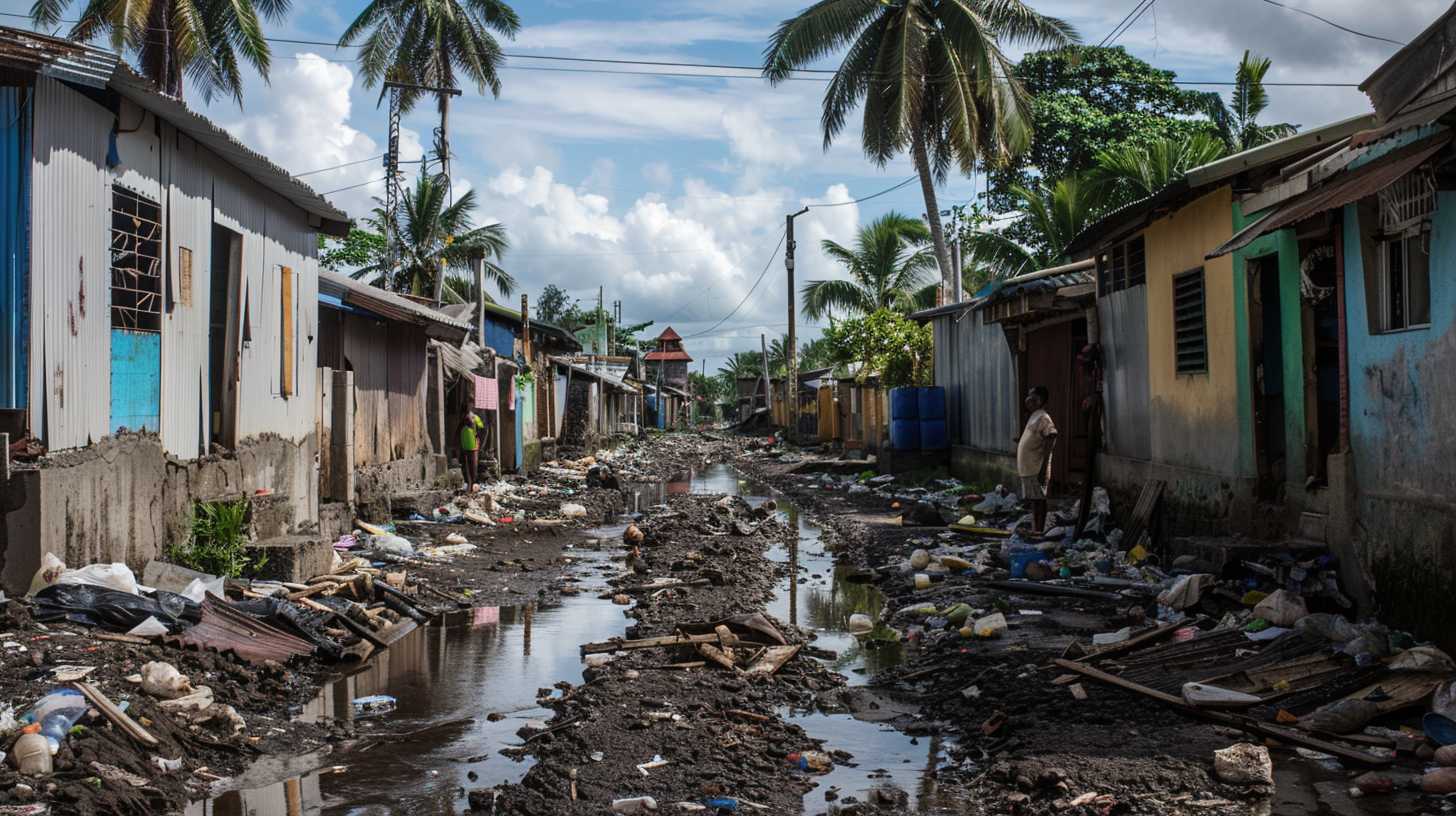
(163, 680)
(1424, 659)
(390, 545)
(50, 571)
(1282, 608)
(1342, 716)
(1330, 627)
(113, 610)
(111, 576)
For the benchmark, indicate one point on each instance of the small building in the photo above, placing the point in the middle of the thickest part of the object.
(667, 365)
(158, 286)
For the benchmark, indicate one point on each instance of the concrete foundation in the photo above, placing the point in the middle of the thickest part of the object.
(292, 558)
(375, 484)
(982, 468)
(1195, 502)
(124, 499)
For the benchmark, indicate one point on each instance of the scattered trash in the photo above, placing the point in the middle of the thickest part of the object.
(1244, 764)
(373, 704)
(164, 681)
(1206, 696)
(991, 626)
(31, 755)
(1112, 638)
(1282, 608)
(860, 624)
(572, 510)
(151, 627)
(811, 761)
(637, 804)
(656, 762)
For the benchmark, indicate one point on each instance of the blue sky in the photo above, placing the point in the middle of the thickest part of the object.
(670, 192)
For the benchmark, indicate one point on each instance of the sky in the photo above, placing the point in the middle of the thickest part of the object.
(669, 193)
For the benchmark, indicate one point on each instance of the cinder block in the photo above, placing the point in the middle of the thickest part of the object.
(292, 558)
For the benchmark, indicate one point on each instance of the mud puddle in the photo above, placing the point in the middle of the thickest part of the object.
(815, 596)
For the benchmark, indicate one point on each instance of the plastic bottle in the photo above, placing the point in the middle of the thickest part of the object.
(56, 713)
(31, 754)
(816, 761)
(637, 804)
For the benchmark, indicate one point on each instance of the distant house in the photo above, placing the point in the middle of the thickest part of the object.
(156, 276)
(667, 378)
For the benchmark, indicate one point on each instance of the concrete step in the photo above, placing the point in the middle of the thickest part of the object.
(270, 516)
(292, 557)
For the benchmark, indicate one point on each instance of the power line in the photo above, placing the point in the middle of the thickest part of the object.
(1120, 24)
(338, 166)
(774, 254)
(1132, 22)
(1330, 22)
(885, 191)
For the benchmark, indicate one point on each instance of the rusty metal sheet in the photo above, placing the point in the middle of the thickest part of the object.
(225, 629)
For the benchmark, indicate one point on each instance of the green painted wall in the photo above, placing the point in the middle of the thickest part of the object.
(1285, 245)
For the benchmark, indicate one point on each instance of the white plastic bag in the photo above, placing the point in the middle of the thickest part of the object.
(1281, 608)
(50, 571)
(110, 576)
(163, 680)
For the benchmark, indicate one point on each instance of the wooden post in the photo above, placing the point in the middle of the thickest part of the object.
(4, 458)
(341, 438)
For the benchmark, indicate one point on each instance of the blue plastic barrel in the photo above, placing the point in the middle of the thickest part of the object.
(932, 434)
(932, 402)
(904, 403)
(905, 434)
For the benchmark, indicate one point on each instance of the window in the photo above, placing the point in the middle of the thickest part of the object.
(1190, 342)
(136, 261)
(1124, 266)
(1405, 281)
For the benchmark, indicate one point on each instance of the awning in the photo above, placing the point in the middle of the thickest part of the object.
(1338, 191)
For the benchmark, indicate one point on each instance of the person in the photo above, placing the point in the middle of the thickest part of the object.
(1034, 456)
(471, 429)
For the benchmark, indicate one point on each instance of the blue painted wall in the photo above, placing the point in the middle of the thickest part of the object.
(501, 336)
(1403, 435)
(14, 247)
(136, 380)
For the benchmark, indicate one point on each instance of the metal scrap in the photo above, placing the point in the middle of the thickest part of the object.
(225, 629)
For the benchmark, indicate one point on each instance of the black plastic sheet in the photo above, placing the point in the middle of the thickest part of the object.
(113, 609)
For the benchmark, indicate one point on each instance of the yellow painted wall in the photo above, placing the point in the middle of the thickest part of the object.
(1194, 417)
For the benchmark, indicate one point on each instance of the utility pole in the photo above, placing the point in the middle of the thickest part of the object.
(956, 295)
(391, 162)
(767, 386)
(792, 352)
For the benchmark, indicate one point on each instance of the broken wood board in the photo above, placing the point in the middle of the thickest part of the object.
(663, 642)
(716, 655)
(371, 529)
(774, 659)
(1149, 636)
(110, 711)
(1232, 720)
(988, 532)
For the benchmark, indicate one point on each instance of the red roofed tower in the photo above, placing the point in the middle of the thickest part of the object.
(670, 359)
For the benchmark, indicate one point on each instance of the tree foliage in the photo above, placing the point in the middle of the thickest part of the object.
(358, 249)
(1237, 122)
(886, 343)
(1052, 215)
(552, 304)
(889, 262)
(1085, 100)
(202, 41)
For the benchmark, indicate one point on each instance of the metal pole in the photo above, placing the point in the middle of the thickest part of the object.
(767, 387)
(792, 352)
(956, 295)
(478, 263)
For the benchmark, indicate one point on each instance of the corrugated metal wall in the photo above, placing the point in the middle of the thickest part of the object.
(974, 363)
(14, 251)
(1123, 320)
(70, 330)
(389, 364)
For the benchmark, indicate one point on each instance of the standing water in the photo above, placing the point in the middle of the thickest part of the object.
(438, 743)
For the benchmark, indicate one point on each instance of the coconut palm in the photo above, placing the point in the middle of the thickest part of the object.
(1052, 216)
(436, 237)
(930, 75)
(891, 260)
(1132, 171)
(199, 40)
(742, 364)
(432, 44)
(1237, 122)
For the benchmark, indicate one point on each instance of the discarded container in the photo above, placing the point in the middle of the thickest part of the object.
(1110, 638)
(931, 402)
(955, 563)
(991, 626)
(374, 704)
(919, 559)
(933, 436)
(904, 404)
(958, 613)
(32, 755)
(1021, 559)
(812, 761)
(860, 624)
(637, 804)
(905, 434)
(55, 713)
(722, 804)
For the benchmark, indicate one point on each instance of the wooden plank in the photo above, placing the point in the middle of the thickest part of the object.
(1113, 680)
(774, 659)
(286, 385)
(110, 711)
(713, 654)
(646, 643)
(1137, 640)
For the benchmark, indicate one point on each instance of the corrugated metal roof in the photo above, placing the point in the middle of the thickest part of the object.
(385, 304)
(1346, 188)
(1082, 272)
(466, 311)
(942, 311)
(97, 68)
(225, 629)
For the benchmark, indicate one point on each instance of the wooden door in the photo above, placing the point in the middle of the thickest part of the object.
(1051, 360)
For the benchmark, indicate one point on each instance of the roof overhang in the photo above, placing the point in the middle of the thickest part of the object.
(390, 306)
(1346, 188)
(1413, 69)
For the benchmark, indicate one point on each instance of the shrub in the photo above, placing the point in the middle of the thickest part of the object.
(216, 541)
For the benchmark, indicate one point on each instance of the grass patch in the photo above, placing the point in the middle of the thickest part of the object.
(217, 537)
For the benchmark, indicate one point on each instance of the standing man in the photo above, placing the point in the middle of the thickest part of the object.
(1034, 456)
(471, 428)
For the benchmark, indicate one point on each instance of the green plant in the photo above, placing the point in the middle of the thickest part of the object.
(217, 540)
(889, 344)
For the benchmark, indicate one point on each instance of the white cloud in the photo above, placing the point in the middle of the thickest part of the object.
(658, 174)
(757, 142)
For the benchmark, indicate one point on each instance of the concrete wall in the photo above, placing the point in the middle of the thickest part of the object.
(1403, 434)
(124, 499)
(983, 468)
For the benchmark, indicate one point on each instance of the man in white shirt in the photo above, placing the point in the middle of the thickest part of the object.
(1034, 455)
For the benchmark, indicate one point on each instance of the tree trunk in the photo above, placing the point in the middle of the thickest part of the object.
(932, 211)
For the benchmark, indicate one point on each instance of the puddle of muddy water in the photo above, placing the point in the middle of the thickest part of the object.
(814, 595)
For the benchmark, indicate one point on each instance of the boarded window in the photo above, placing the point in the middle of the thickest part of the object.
(1405, 282)
(1190, 330)
(1123, 266)
(286, 331)
(184, 276)
(136, 261)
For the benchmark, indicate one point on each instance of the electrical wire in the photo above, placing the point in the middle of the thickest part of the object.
(1330, 22)
(1121, 23)
(338, 166)
(782, 235)
(1132, 22)
(885, 191)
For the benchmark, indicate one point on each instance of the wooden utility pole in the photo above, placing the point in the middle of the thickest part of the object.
(525, 329)
(792, 352)
(767, 387)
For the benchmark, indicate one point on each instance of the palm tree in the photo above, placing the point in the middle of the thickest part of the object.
(742, 364)
(1053, 216)
(930, 75)
(1132, 171)
(200, 40)
(429, 44)
(437, 238)
(887, 265)
(1237, 123)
